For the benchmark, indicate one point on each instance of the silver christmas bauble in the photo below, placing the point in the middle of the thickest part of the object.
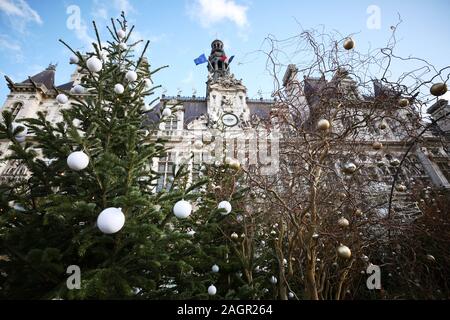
(212, 290)
(131, 76)
(62, 98)
(119, 89)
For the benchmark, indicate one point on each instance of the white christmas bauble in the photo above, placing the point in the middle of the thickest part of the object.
(77, 160)
(182, 209)
(191, 233)
(123, 46)
(121, 34)
(291, 295)
(215, 268)
(342, 222)
(226, 206)
(21, 135)
(263, 243)
(78, 89)
(166, 112)
(273, 280)
(323, 124)
(212, 290)
(344, 252)
(198, 144)
(147, 83)
(74, 59)
(110, 220)
(94, 64)
(131, 76)
(119, 89)
(234, 235)
(62, 98)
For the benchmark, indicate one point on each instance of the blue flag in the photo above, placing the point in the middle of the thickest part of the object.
(231, 59)
(201, 59)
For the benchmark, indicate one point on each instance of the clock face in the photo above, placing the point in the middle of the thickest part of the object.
(230, 119)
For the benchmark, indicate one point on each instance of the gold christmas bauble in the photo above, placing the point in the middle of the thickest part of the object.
(349, 44)
(342, 222)
(323, 124)
(438, 89)
(234, 164)
(344, 252)
(403, 102)
(377, 145)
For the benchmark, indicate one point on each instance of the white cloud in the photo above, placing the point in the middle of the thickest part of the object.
(20, 13)
(13, 47)
(210, 12)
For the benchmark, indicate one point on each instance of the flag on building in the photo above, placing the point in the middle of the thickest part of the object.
(231, 59)
(201, 59)
(223, 58)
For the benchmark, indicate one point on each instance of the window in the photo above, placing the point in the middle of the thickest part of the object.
(16, 107)
(171, 125)
(165, 165)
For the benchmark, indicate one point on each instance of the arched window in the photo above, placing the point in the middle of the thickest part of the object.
(16, 107)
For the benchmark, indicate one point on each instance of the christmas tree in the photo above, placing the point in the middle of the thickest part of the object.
(89, 204)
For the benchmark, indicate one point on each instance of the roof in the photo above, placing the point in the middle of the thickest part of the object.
(65, 86)
(196, 107)
(46, 77)
(440, 103)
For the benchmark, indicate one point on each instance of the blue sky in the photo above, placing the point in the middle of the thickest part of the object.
(181, 30)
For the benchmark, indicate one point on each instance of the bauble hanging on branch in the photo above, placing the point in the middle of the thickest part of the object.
(111, 220)
(74, 60)
(94, 64)
(323, 124)
(121, 34)
(20, 136)
(77, 160)
(166, 112)
(225, 207)
(131, 76)
(343, 222)
(182, 209)
(119, 89)
(344, 252)
(78, 89)
(377, 145)
(215, 268)
(438, 89)
(62, 98)
(212, 290)
(403, 102)
(349, 44)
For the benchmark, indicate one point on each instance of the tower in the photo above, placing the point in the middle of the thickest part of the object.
(218, 60)
(226, 96)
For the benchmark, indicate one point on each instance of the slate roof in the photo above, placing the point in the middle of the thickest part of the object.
(46, 77)
(196, 107)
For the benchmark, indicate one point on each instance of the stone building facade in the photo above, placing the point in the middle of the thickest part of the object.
(226, 124)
